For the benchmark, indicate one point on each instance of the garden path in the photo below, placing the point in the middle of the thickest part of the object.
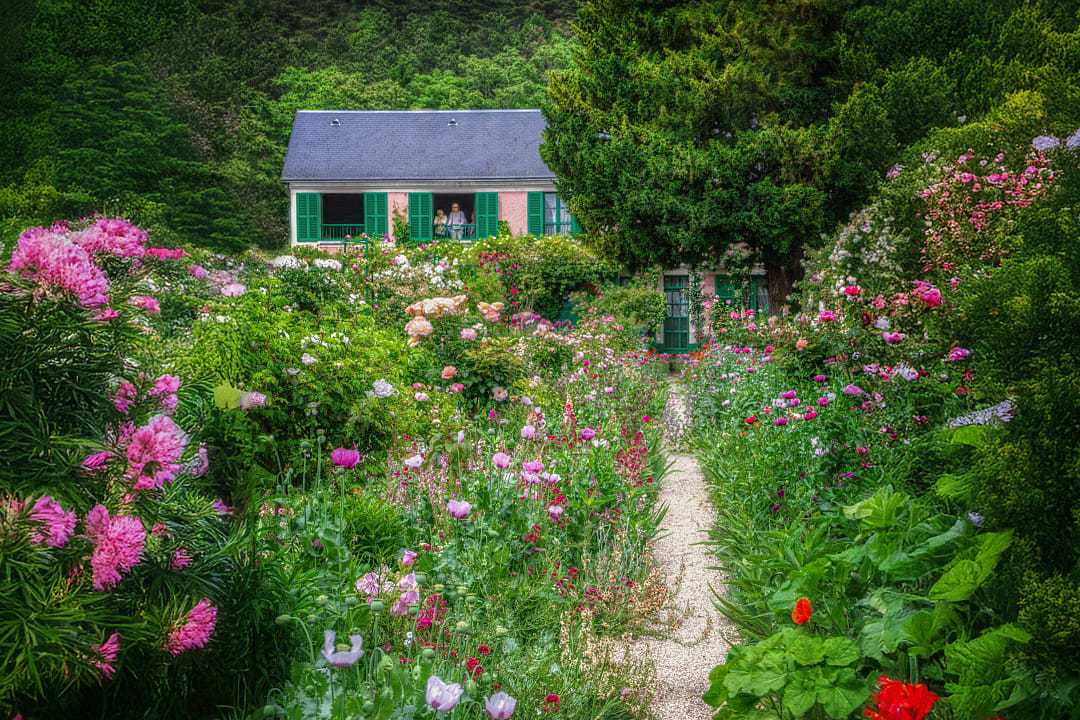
(694, 636)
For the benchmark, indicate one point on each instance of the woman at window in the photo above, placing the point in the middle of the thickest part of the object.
(440, 223)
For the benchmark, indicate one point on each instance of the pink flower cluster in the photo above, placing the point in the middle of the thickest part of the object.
(112, 236)
(58, 524)
(118, 545)
(165, 389)
(195, 630)
(52, 261)
(107, 653)
(153, 453)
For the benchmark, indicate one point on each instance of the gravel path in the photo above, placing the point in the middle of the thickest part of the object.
(692, 636)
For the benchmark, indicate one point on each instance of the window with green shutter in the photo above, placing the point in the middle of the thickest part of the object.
(308, 216)
(487, 214)
(375, 221)
(420, 216)
(575, 226)
(536, 213)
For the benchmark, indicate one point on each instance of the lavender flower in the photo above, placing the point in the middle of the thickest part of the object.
(341, 658)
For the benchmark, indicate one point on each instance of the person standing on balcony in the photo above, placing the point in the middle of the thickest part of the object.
(440, 223)
(457, 222)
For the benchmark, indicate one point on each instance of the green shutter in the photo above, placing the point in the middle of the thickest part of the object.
(575, 226)
(375, 224)
(536, 213)
(308, 216)
(487, 214)
(420, 216)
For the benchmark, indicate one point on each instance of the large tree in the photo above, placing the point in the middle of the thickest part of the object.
(684, 128)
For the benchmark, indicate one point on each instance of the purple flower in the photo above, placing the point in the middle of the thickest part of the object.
(975, 518)
(780, 421)
(500, 460)
(1045, 142)
(251, 400)
(458, 509)
(347, 458)
(893, 338)
(341, 658)
(414, 461)
(820, 378)
(587, 433)
(555, 512)
(852, 390)
(533, 466)
(500, 706)
(221, 508)
(528, 432)
(958, 354)
(788, 394)
(198, 272)
(233, 290)
(442, 697)
(408, 558)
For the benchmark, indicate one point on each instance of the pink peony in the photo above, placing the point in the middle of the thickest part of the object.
(52, 261)
(826, 316)
(154, 451)
(449, 372)
(852, 290)
(528, 432)
(198, 272)
(195, 630)
(233, 290)
(500, 460)
(112, 236)
(107, 653)
(145, 302)
(455, 388)
(853, 390)
(893, 338)
(468, 334)
(118, 545)
(927, 293)
(58, 524)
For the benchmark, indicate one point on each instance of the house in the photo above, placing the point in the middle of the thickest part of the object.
(351, 172)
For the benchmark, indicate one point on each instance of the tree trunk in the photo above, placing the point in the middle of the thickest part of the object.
(780, 276)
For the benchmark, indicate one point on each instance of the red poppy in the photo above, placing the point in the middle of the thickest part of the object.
(898, 700)
(802, 611)
(474, 667)
(751, 420)
(551, 702)
(484, 650)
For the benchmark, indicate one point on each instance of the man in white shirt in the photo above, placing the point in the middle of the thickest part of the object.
(456, 222)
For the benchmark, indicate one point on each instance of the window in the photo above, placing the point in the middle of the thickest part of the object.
(557, 219)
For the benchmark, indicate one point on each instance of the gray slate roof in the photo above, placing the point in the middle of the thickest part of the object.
(415, 145)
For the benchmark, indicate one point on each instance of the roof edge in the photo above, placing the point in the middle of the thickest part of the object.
(430, 112)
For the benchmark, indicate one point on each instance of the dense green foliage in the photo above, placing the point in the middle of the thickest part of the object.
(177, 114)
(681, 129)
(918, 530)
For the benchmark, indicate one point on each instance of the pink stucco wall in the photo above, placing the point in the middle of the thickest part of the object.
(514, 209)
(708, 284)
(395, 202)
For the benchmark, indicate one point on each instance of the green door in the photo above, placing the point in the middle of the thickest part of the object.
(677, 321)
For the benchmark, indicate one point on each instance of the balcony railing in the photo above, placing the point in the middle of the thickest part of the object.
(465, 231)
(339, 231)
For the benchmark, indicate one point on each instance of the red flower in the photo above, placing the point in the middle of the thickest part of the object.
(474, 667)
(484, 650)
(897, 700)
(802, 611)
(551, 702)
(750, 420)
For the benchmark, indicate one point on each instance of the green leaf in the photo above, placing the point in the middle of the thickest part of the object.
(807, 650)
(879, 510)
(840, 651)
(973, 435)
(955, 487)
(226, 397)
(801, 694)
(965, 575)
(843, 696)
